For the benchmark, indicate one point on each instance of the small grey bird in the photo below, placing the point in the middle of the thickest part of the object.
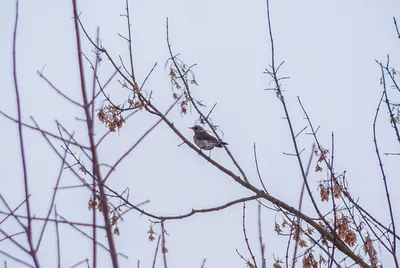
(204, 140)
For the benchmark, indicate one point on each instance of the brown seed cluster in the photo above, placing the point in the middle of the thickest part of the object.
(309, 261)
(151, 233)
(181, 77)
(111, 116)
(95, 203)
(114, 222)
(345, 232)
(325, 190)
(296, 232)
(322, 158)
(371, 252)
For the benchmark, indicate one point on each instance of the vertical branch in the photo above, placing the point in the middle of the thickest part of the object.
(96, 66)
(163, 247)
(262, 246)
(94, 217)
(288, 247)
(274, 74)
(271, 39)
(58, 239)
(332, 182)
(96, 167)
(394, 245)
(301, 204)
(21, 142)
(130, 41)
(392, 117)
(94, 221)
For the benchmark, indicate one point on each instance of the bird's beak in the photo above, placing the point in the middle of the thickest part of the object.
(191, 127)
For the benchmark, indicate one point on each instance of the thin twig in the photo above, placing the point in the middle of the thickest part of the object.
(139, 141)
(257, 168)
(10, 237)
(11, 212)
(53, 198)
(43, 131)
(397, 29)
(260, 238)
(57, 90)
(16, 259)
(245, 236)
(155, 253)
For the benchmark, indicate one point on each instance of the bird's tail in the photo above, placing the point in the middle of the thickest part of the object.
(220, 143)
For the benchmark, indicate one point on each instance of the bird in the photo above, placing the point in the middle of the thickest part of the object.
(204, 140)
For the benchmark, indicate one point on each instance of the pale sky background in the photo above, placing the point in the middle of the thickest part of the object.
(330, 49)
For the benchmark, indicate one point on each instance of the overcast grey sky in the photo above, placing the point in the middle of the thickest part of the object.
(329, 49)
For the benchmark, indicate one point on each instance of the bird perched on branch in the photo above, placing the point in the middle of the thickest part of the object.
(204, 140)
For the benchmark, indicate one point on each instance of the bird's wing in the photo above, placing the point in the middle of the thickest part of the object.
(206, 136)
